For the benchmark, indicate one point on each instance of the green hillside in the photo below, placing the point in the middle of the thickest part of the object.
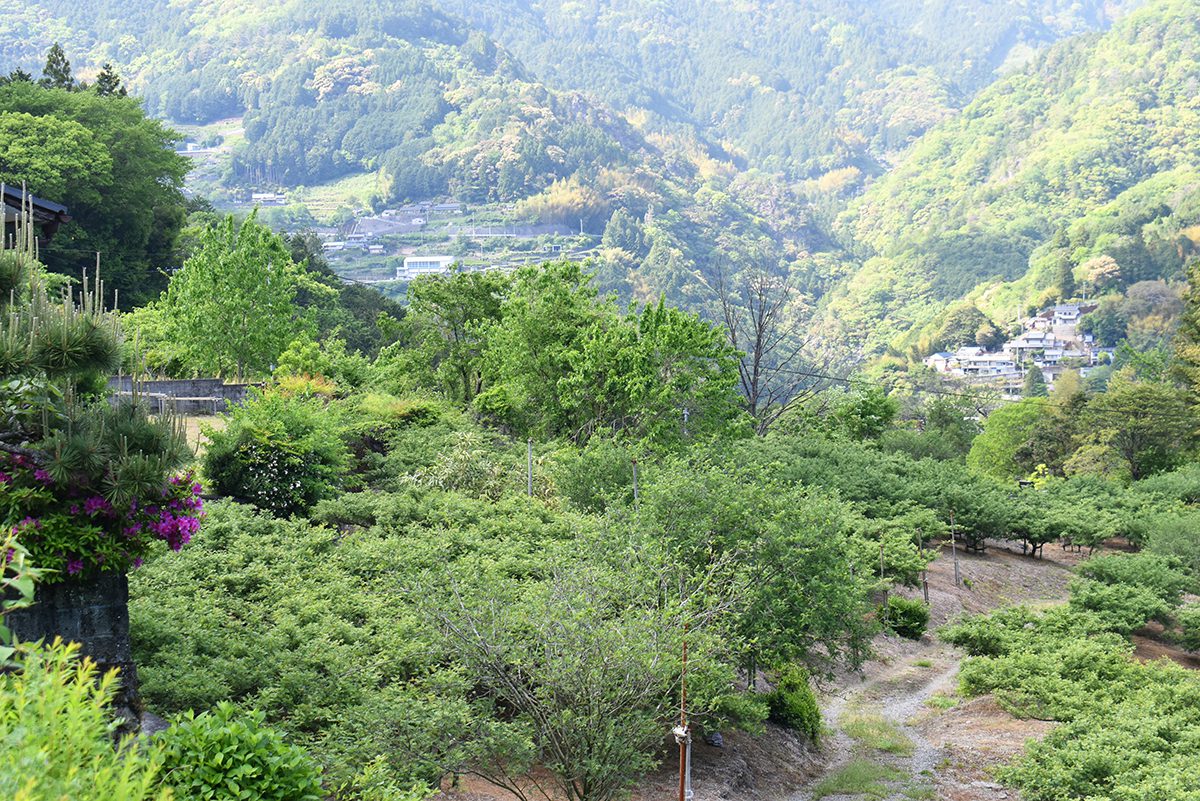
(796, 87)
(1092, 152)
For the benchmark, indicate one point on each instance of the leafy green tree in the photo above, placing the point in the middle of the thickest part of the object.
(1056, 433)
(53, 157)
(233, 306)
(126, 202)
(444, 332)
(865, 413)
(57, 72)
(1035, 383)
(587, 661)
(1149, 424)
(786, 545)
(662, 375)
(1006, 431)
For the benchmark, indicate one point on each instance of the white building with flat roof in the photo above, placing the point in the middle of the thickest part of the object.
(423, 265)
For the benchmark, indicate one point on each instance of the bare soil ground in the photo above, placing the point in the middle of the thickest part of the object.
(909, 688)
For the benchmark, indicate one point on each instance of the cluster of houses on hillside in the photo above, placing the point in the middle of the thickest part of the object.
(1050, 341)
(365, 231)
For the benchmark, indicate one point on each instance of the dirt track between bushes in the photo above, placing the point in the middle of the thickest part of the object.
(910, 685)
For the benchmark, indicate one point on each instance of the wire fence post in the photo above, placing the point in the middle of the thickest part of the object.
(635, 484)
(924, 565)
(954, 550)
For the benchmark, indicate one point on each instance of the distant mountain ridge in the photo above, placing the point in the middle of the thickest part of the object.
(1093, 151)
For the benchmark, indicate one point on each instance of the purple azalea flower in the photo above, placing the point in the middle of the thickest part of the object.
(74, 566)
(94, 504)
(5, 478)
(43, 476)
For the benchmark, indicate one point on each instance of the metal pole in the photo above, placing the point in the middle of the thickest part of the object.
(924, 572)
(683, 727)
(529, 464)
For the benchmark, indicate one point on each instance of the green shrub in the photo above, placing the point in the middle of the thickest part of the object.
(224, 755)
(1173, 534)
(905, 616)
(1160, 574)
(1124, 608)
(281, 453)
(56, 734)
(793, 704)
(1189, 625)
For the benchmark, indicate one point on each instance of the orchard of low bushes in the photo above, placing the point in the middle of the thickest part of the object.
(1130, 730)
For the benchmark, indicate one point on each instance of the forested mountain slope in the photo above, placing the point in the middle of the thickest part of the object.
(797, 87)
(1092, 152)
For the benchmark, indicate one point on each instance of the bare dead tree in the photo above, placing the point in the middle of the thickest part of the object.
(764, 321)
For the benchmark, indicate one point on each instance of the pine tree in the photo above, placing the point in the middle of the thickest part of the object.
(1035, 383)
(108, 82)
(16, 76)
(1066, 279)
(57, 72)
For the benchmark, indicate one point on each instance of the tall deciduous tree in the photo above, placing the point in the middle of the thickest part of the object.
(763, 321)
(1148, 423)
(123, 182)
(1007, 430)
(446, 322)
(232, 308)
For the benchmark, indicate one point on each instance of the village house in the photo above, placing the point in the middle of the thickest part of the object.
(414, 266)
(46, 215)
(1050, 341)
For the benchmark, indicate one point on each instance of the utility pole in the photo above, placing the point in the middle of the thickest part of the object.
(529, 464)
(924, 572)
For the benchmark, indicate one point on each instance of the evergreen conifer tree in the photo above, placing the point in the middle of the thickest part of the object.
(108, 82)
(57, 72)
(1035, 383)
(1066, 279)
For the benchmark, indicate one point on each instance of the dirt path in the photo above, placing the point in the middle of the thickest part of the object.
(874, 748)
(897, 731)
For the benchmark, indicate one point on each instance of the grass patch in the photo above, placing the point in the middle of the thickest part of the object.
(873, 731)
(941, 701)
(924, 663)
(920, 792)
(858, 777)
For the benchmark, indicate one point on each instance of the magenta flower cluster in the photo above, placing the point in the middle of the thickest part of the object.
(77, 533)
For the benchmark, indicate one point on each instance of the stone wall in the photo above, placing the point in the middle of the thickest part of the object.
(187, 396)
(93, 613)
